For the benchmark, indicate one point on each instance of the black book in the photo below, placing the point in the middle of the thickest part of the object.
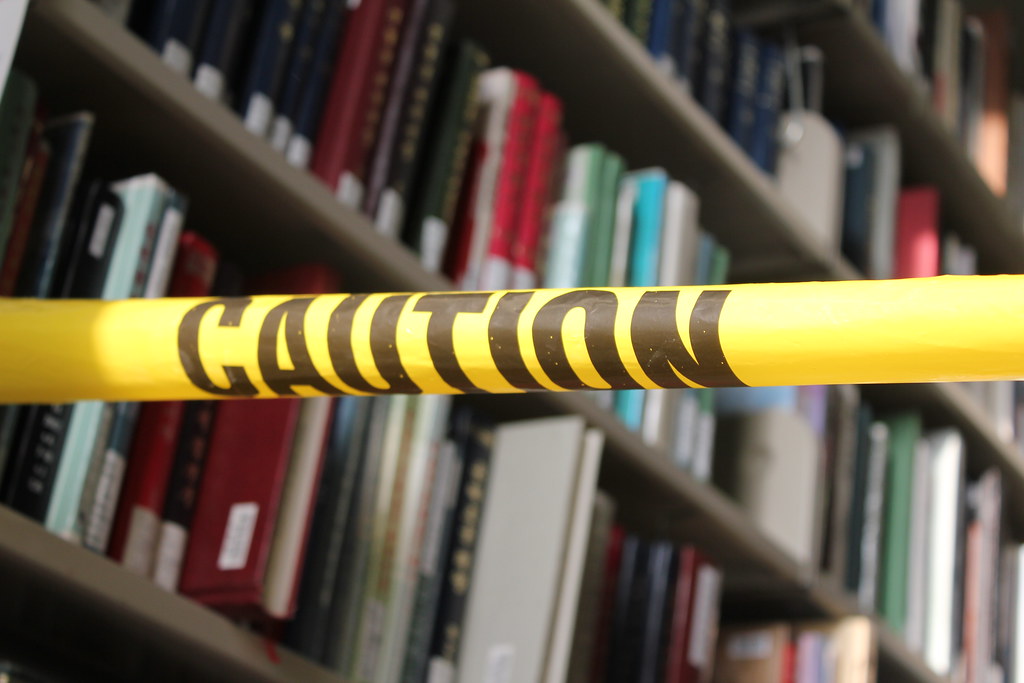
(689, 37)
(275, 31)
(629, 610)
(218, 52)
(297, 70)
(713, 74)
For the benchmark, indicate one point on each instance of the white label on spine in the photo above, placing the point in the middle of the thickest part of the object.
(140, 543)
(440, 671)
(101, 231)
(209, 81)
(745, 646)
(299, 152)
(280, 131)
(170, 552)
(108, 488)
(705, 616)
(234, 550)
(499, 663)
(704, 446)
(390, 212)
(350, 190)
(258, 114)
(433, 240)
(177, 56)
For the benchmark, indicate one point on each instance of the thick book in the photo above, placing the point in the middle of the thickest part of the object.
(460, 564)
(537, 192)
(397, 103)
(339, 155)
(572, 218)
(445, 156)
(310, 103)
(140, 508)
(917, 233)
(236, 541)
(219, 50)
(275, 31)
(528, 545)
(297, 70)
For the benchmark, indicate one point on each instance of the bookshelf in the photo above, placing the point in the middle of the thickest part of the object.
(263, 211)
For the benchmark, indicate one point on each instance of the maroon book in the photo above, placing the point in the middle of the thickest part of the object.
(136, 529)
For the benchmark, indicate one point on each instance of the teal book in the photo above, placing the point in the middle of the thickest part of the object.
(904, 432)
(573, 218)
(644, 255)
(144, 198)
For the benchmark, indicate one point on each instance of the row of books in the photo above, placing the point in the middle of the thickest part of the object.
(885, 508)
(737, 76)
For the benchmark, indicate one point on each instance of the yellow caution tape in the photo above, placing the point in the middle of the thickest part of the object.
(915, 330)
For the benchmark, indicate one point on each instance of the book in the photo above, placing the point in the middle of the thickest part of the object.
(419, 102)
(348, 123)
(904, 432)
(528, 546)
(870, 236)
(628, 614)
(574, 218)
(12, 16)
(175, 31)
(297, 69)
(693, 633)
(537, 193)
(460, 564)
(754, 653)
(275, 30)
(771, 81)
(17, 114)
(250, 524)
(716, 55)
(598, 258)
(689, 36)
(741, 105)
(993, 134)
(310, 103)
(33, 173)
(440, 172)
(917, 233)
(219, 50)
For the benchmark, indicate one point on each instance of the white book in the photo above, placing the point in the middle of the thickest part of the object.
(946, 468)
(527, 516)
(618, 271)
(427, 433)
(918, 566)
(284, 564)
(874, 509)
(496, 90)
(563, 626)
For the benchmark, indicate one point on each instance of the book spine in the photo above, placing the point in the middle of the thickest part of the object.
(741, 110)
(340, 138)
(537, 190)
(392, 211)
(508, 190)
(716, 55)
(310, 104)
(101, 492)
(17, 114)
(220, 46)
(182, 38)
(458, 572)
(446, 158)
(297, 71)
(273, 41)
(37, 160)
(69, 139)
(638, 18)
(402, 65)
(689, 38)
(767, 106)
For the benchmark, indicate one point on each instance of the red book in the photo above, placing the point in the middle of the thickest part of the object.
(237, 509)
(520, 130)
(536, 192)
(355, 98)
(37, 158)
(917, 233)
(136, 528)
(693, 634)
(613, 560)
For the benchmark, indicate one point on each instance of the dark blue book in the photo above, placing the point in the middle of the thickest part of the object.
(660, 37)
(275, 30)
(173, 29)
(297, 70)
(713, 74)
(743, 91)
(664, 559)
(629, 610)
(688, 41)
(771, 82)
(860, 179)
(310, 102)
(308, 632)
(218, 52)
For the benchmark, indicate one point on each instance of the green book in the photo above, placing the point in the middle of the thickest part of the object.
(17, 110)
(904, 432)
(602, 229)
(439, 178)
